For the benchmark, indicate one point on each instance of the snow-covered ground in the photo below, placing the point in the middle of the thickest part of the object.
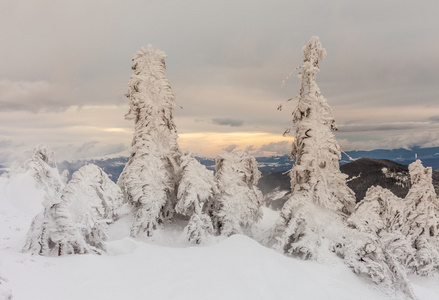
(167, 267)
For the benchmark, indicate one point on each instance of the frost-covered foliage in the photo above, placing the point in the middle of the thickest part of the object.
(149, 179)
(42, 167)
(238, 203)
(316, 180)
(383, 215)
(367, 255)
(53, 232)
(197, 187)
(91, 191)
(422, 220)
(395, 235)
(77, 222)
(307, 228)
(376, 247)
(379, 211)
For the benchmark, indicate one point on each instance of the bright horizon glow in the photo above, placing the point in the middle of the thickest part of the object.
(211, 144)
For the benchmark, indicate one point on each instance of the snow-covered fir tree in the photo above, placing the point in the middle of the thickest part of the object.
(366, 254)
(42, 168)
(422, 220)
(380, 210)
(406, 230)
(93, 201)
(149, 179)
(238, 203)
(196, 188)
(77, 221)
(382, 214)
(377, 248)
(316, 181)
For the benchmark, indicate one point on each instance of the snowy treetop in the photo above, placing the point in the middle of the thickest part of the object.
(314, 51)
(239, 162)
(311, 103)
(45, 153)
(148, 55)
(377, 211)
(418, 173)
(149, 90)
(90, 191)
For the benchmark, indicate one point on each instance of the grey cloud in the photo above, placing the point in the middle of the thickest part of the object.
(230, 148)
(12, 153)
(408, 141)
(250, 148)
(42, 95)
(434, 119)
(89, 150)
(280, 148)
(30, 96)
(86, 148)
(382, 65)
(228, 122)
(5, 143)
(383, 127)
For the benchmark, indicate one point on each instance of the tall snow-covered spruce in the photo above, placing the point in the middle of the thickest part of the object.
(314, 219)
(319, 190)
(150, 177)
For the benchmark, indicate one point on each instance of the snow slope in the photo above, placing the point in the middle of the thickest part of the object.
(168, 268)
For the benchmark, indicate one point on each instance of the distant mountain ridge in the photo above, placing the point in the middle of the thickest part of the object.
(368, 168)
(366, 172)
(429, 156)
(362, 174)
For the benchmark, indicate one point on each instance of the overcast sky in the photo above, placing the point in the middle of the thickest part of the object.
(65, 65)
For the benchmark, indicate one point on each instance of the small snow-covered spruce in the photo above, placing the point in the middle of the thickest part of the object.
(197, 186)
(316, 181)
(93, 201)
(42, 167)
(238, 203)
(149, 179)
(366, 255)
(422, 220)
(377, 248)
(382, 214)
(77, 222)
